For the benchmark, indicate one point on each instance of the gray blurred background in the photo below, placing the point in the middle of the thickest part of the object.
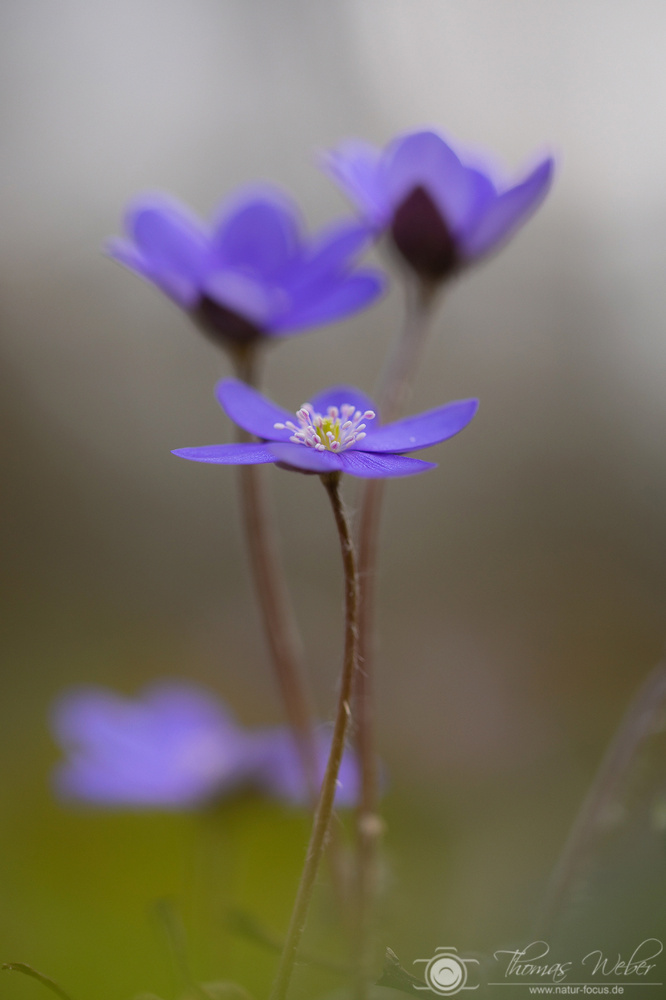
(523, 584)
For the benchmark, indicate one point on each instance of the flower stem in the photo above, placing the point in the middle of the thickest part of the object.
(324, 810)
(639, 722)
(275, 607)
(398, 374)
(394, 388)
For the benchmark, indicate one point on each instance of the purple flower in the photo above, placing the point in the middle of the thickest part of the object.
(442, 213)
(337, 431)
(175, 747)
(252, 273)
(172, 748)
(281, 775)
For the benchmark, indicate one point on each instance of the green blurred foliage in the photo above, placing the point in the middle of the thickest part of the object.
(97, 900)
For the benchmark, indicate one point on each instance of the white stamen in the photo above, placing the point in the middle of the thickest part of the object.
(337, 430)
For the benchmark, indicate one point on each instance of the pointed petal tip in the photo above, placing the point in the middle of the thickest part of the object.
(226, 383)
(366, 465)
(543, 173)
(250, 453)
(123, 251)
(510, 211)
(113, 245)
(347, 148)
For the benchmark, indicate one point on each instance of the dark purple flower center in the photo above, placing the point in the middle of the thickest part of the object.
(423, 238)
(224, 325)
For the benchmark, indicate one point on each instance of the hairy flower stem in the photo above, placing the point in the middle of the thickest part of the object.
(275, 607)
(639, 722)
(395, 384)
(324, 811)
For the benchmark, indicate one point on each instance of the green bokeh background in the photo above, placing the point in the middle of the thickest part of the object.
(523, 584)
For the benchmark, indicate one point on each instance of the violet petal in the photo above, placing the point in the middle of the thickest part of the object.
(355, 166)
(253, 411)
(337, 395)
(168, 236)
(244, 294)
(346, 296)
(259, 233)
(482, 193)
(424, 159)
(281, 772)
(509, 212)
(175, 747)
(227, 454)
(381, 466)
(422, 430)
(329, 254)
(299, 456)
(179, 287)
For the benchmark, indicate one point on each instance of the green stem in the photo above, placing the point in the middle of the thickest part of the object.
(322, 818)
(28, 970)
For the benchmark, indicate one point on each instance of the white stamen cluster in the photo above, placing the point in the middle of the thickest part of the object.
(336, 430)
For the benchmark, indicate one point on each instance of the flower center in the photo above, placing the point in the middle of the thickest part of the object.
(423, 237)
(339, 428)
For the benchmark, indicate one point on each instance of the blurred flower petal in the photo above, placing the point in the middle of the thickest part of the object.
(442, 212)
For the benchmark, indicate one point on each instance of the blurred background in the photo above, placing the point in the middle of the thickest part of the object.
(523, 584)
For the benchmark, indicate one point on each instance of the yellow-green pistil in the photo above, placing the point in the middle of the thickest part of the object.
(337, 430)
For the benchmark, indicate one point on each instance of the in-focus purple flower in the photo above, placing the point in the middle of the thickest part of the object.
(175, 747)
(441, 212)
(337, 431)
(252, 273)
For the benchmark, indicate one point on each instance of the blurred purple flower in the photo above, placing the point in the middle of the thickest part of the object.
(337, 431)
(174, 747)
(252, 273)
(442, 214)
(281, 775)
